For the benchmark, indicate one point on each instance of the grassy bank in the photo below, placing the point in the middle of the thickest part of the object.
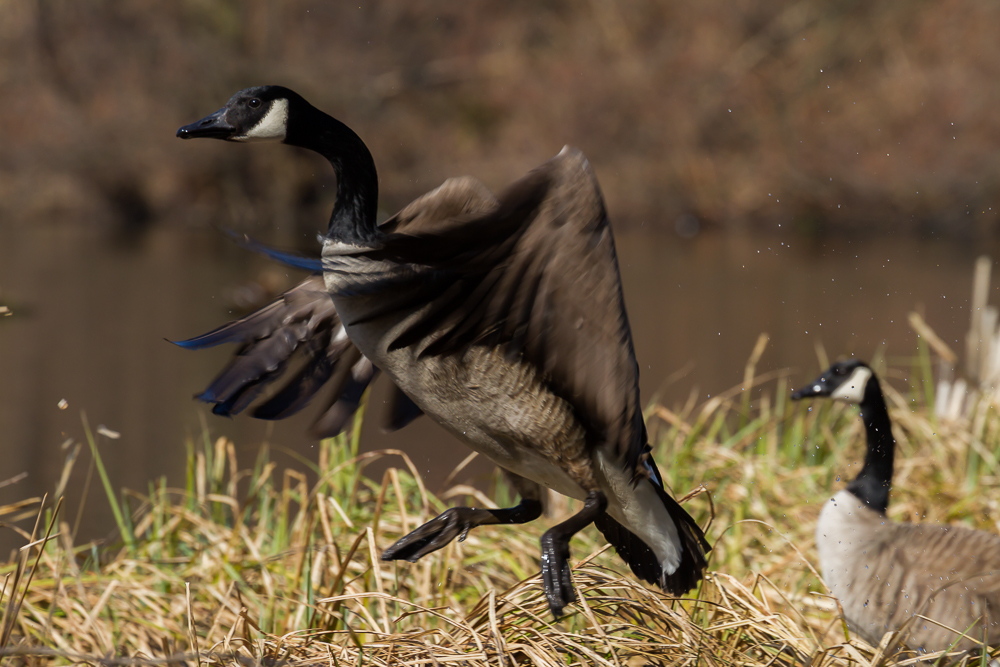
(256, 563)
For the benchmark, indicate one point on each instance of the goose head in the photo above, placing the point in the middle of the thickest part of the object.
(253, 114)
(843, 381)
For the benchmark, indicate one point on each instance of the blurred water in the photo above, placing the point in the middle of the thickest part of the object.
(90, 320)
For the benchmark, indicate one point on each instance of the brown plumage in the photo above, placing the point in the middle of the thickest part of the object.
(933, 582)
(535, 273)
(886, 573)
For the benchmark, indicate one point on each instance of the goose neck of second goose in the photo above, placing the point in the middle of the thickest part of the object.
(873, 483)
(353, 220)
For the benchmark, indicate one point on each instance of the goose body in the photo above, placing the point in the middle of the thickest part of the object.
(890, 576)
(505, 410)
(502, 319)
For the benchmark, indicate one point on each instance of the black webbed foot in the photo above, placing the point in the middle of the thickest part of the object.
(436, 533)
(457, 522)
(557, 580)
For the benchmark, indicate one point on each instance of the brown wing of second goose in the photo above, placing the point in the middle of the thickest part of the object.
(933, 581)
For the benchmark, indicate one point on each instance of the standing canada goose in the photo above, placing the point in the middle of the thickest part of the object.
(884, 573)
(502, 319)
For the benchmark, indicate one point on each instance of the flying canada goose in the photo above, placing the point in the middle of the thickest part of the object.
(884, 573)
(502, 319)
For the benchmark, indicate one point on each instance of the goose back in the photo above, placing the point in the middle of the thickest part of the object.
(885, 572)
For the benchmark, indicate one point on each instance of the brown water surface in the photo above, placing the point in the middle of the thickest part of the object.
(89, 322)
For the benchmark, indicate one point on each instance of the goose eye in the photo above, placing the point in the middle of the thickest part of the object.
(253, 103)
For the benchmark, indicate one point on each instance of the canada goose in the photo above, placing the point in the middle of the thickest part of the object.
(502, 319)
(884, 573)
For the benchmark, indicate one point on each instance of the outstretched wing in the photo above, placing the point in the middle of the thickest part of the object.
(299, 343)
(536, 273)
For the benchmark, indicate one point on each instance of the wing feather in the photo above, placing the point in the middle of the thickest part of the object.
(299, 340)
(537, 273)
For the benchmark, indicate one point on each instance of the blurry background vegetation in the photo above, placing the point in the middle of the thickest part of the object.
(855, 115)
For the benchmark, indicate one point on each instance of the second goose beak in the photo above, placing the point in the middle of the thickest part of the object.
(814, 389)
(214, 126)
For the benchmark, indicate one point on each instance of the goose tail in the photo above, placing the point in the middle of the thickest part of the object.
(694, 547)
(643, 561)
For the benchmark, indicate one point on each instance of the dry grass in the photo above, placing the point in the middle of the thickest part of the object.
(260, 565)
(263, 565)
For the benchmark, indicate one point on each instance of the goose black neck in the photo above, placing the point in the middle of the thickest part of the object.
(875, 479)
(354, 213)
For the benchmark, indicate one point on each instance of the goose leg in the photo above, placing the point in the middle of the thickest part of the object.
(458, 521)
(556, 579)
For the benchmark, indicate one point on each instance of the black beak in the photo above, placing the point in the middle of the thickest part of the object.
(214, 127)
(814, 389)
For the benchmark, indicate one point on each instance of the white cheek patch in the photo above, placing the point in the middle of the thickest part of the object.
(272, 127)
(852, 390)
